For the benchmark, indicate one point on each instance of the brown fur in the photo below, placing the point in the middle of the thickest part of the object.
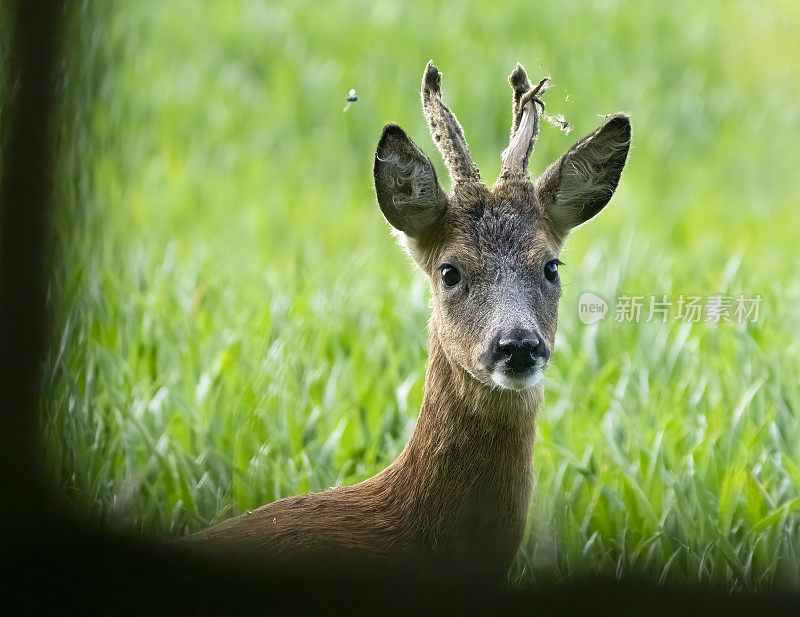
(461, 486)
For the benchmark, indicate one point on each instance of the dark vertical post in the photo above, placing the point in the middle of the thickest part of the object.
(25, 196)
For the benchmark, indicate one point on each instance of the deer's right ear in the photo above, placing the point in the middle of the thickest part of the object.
(405, 182)
(579, 184)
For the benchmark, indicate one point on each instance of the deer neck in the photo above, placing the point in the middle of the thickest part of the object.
(465, 474)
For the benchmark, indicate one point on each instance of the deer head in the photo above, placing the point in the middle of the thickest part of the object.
(492, 254)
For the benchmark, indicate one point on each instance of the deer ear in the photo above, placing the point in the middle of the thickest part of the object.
(579, 184)
(405, 182)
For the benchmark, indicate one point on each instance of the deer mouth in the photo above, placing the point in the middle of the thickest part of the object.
(511, 377)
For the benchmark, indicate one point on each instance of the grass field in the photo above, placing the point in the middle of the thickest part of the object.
(233, 323)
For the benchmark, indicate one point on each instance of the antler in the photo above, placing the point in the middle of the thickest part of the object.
(445, 130)
(524, 124)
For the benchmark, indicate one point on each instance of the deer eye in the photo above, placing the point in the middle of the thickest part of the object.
(450, 275)
(551, 270)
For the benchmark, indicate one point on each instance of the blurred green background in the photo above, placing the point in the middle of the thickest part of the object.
(233, 323)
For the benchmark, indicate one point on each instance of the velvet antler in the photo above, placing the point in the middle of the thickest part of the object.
(445, 130)
(524, 124)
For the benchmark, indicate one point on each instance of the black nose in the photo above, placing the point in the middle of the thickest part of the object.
(521, 350)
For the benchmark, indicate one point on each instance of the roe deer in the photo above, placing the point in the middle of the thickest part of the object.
(461, 486)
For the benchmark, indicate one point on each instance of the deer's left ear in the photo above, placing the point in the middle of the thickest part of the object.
(405, 182)
(579, 184)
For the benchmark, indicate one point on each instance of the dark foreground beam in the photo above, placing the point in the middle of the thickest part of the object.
(26, 185)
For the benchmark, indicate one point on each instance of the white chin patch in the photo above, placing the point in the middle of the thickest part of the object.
(518, 382)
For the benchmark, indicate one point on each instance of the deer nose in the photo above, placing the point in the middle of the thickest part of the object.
(521, 350)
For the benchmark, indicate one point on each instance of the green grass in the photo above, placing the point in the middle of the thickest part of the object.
(233, 324)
